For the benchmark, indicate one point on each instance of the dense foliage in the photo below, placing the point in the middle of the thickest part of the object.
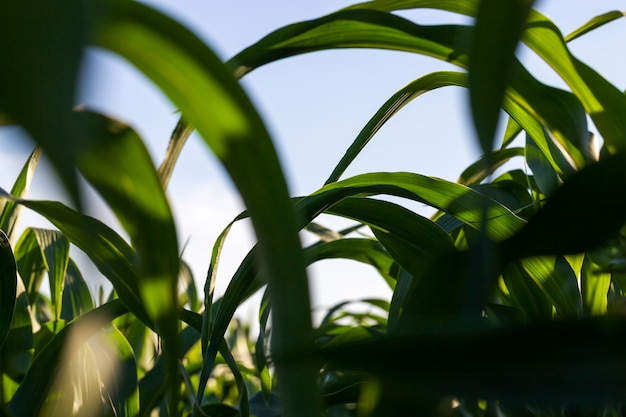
(507, 301)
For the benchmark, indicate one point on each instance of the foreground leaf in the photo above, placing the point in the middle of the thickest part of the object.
(497, 31)
(32, 394)
(573, 362)
(188, 72)
(8, 286)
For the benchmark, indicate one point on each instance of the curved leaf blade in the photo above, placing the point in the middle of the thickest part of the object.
(189, 72)
(8, 286)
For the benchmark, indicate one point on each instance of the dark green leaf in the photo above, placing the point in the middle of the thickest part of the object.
(188, 72)
(497, 31)
(575, 362)
(76, 296)
(8, 286)
(42, 43)
(563, 225)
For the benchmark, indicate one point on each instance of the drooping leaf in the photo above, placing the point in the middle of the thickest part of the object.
(478, 171)
(455, 199)
(106, 249)
(603, 101)
(132, 189)
(497, 31)
(188, 72)
(412, 240)
(366, 26)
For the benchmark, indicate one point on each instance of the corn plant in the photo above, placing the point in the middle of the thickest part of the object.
(507, 301)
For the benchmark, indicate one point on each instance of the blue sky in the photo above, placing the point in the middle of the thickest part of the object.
(314, 106)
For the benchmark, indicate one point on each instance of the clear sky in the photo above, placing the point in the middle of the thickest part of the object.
(314, 106)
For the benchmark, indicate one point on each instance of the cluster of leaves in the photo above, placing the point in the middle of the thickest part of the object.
(507, 300)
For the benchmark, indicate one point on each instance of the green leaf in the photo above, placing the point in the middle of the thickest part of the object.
(32, 394)
(42, 43)
(478, 362)
(77, 299)
(497, 31)
(455, 199)
(132, 189)
(594, 24)
(55, 252)
(479, 170)
(188, 72)
(557, 280)
(17, 351)
(357, 27)
(544, 172)
(412, 240)
(178, 139)
(562, 225)
(106, 249)
(367, 251)
(522, 291)
(393, 105)
(10, 211)
(604, 103)
(8, 286)
(594, 287)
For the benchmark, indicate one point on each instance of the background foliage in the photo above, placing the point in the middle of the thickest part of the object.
(511, 258)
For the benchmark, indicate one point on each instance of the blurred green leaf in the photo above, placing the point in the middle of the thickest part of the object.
(561, 226)
(32, 394)
(160, 47)
(8, 286)
(42, 44)
(16, 352)
(132, 189)
(497, 31)
(30, 263)
(573, 362)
